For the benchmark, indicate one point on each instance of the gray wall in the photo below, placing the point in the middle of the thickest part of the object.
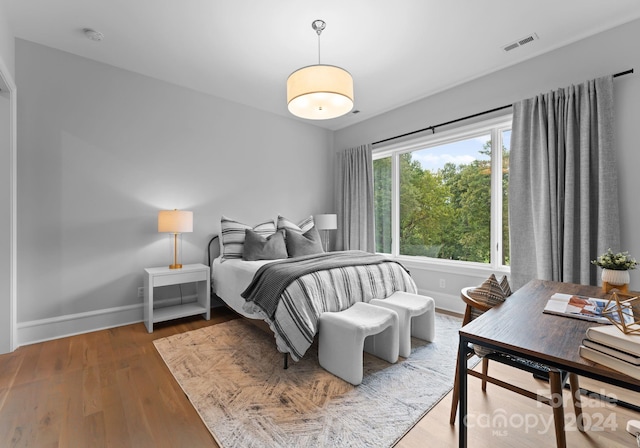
(6, 43)
(101, 150)
(607, 53)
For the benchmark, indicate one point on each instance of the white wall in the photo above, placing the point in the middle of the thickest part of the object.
(101, 150)
(607, 53)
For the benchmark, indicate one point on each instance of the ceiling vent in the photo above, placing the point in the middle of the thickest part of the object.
(520, 42)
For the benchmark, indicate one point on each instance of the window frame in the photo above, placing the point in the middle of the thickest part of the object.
(495, 127)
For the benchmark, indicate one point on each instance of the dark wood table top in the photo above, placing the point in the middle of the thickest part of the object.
(519, 326)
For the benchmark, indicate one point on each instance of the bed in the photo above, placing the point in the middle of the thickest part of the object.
(289, 294)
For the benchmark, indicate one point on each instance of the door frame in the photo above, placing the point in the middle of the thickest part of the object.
(8, 81)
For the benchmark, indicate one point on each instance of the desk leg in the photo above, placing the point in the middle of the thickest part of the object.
(577, 402)
(555, 382)
(462, 390)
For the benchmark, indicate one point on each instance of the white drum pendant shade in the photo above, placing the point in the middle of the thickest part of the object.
(320, 92)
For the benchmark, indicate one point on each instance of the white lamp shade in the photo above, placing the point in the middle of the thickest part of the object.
(326, 222)
(320, 92)
(175, 221)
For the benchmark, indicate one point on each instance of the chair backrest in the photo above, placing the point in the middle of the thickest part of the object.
(474, 308)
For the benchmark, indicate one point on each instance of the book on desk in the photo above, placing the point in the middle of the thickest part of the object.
(609, 346)
(581, 307)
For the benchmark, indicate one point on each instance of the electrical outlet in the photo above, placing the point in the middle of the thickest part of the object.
(141, 292)
(442, 283)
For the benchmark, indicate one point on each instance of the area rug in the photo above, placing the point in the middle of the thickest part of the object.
(234, 377)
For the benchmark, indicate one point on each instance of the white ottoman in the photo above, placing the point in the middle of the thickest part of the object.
(345, 334)
(416, 314)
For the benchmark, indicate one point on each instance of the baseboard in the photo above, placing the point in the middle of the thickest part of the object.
(445, 302)
(72, 324)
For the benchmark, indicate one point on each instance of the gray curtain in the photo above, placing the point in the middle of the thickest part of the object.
(563, 189)
(355, 199)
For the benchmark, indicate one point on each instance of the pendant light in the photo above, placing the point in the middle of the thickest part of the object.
(320, 92)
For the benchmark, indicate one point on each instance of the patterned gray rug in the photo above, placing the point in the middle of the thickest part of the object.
(233, 375)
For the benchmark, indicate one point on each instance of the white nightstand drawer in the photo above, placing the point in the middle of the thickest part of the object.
(176, 278)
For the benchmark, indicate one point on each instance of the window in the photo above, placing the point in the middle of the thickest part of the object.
(445, 196)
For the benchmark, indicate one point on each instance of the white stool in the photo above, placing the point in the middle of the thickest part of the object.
(417, 317)
(343, 337)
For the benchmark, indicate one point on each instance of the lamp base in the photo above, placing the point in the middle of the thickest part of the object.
(176, 255)
(325, 240)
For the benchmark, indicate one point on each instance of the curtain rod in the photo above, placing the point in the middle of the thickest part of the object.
(433, 128)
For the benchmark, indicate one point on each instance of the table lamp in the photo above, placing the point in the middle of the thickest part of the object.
(325, 223)
(176, 222)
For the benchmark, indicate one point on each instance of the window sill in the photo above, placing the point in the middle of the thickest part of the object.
(450, 266)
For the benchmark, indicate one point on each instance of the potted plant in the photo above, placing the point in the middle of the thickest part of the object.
(615, 269)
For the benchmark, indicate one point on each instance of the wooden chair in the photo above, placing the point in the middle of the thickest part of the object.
(557, 379)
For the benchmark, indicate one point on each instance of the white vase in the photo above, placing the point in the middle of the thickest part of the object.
(615, 277)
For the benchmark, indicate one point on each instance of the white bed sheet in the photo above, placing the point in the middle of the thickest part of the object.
(231, 277)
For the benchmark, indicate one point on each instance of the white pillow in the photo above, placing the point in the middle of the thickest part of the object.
(302, 227)
(232, 238)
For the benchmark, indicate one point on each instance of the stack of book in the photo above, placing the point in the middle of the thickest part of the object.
(609, 346)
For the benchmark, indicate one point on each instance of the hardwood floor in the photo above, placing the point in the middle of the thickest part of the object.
(110, 388)
(503, 419)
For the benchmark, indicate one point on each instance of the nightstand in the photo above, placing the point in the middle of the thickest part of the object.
(190, 273)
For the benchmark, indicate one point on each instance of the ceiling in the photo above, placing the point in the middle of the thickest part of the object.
(244, 50)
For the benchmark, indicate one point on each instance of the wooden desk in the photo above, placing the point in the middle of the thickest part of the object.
(519, 327)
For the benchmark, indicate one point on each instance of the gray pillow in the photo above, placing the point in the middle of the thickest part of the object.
(299, 244)
(258, 247)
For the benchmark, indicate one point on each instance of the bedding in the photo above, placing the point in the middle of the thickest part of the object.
(332, 284)
(230, 277)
